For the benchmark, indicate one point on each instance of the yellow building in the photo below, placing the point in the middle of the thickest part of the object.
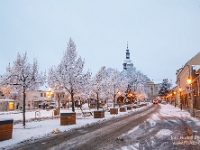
(7, 105)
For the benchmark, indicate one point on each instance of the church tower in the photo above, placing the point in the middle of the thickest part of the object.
(127, 62)
(127, 53)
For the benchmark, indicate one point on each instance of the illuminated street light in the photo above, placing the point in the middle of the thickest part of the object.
(189, 81)
(49, 93)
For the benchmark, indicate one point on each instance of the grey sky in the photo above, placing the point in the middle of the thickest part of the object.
(162, 34)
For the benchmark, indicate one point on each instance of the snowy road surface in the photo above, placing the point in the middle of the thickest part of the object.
(169, 129)
(152, 129)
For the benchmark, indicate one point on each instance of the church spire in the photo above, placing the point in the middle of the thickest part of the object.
(127, 52)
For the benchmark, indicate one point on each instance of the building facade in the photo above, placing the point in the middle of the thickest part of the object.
(152, 89)
(36, 98)
(187, 80)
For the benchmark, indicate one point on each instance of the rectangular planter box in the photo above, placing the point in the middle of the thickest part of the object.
(134, 107)
(129, 108)
(113, 111)
(6, 129)
(55, 112)
(67, 118)
(122, 109)
(99, 114)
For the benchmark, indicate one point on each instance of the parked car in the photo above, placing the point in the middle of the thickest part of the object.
(155, 101)
(163, 102)
(109, 103)
(69, 104)
(52, 105)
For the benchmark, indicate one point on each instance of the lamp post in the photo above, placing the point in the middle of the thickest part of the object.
(180, 96)
(115, 94)
(175, 98)
(189, 81)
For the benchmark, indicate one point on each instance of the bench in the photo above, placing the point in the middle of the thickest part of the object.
(85, 110)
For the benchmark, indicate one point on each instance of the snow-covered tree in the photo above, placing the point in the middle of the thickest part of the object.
(115, 83)
(23, 76)
(10, 92)
(98, 83)
(137, 82)
(165, 88)
(6, 90)
(68, 75)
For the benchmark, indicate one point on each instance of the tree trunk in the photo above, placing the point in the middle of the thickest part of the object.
(72, 98)
(114, 98)
(114, 101)
(58, 104)
(97, 101)
(24, 97)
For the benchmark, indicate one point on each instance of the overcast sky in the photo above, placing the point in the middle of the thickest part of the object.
(162, 34)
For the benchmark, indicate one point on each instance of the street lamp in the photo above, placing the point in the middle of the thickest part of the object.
(189, 81)
(49, 93)
(180, 96)
(174, 98)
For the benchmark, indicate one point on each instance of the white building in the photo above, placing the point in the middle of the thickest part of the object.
(36, 98)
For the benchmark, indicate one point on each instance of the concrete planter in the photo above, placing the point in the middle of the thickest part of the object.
(67, 118)
(99, 114)
(6, 129)
(113, 111)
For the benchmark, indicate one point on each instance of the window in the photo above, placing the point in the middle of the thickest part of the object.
(44, 94)
(52, 95)
(41, 94)
(151, 90)
(63, 95)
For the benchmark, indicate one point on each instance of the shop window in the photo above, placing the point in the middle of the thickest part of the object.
(11, 105)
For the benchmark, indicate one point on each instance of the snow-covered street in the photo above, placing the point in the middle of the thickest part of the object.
(165, 128)
(170, 128)
(44, 125)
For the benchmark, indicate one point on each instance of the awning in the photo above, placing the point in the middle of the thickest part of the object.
(6, 100)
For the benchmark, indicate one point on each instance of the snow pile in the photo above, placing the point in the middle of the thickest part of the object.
(164, 132)
(172, 111)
